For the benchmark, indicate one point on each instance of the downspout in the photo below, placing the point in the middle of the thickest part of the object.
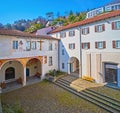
(80, 71)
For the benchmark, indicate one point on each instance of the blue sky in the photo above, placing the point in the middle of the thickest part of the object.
(11, 10)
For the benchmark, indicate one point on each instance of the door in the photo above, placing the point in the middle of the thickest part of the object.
(111, 73)
(27, 72)
(71, 67)
(9, 73)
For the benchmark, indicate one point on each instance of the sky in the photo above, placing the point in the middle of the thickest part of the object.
(11, 10)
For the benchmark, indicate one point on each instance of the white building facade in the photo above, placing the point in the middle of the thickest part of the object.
(93, 47)
(114, 5)
(24, 55)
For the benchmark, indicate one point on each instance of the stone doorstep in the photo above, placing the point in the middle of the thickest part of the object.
(78, 88)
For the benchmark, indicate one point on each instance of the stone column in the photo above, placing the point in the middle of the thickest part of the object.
(24, 76)
(43, 69)
(118, 75)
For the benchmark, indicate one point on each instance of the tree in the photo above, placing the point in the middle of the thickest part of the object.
(50, 16)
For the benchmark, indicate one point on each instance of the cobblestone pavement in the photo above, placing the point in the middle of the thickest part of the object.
(45, 97)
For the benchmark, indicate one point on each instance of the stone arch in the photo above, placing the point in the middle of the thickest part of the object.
(10, 64)
(33, 66)
(73, 66)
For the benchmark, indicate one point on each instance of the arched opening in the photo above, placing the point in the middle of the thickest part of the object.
(9, 73)
(33, 68)
(73, 67)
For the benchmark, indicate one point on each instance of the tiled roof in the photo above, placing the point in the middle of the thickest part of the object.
(22, 34)
(89, 20)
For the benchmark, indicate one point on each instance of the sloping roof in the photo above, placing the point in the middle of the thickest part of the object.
(89, 20)
(23, 34)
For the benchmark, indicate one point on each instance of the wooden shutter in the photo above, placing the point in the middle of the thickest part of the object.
(69, 46)
(113, 25)
(103, 27)
(65, 34)
(104, 44)
(113, 44)
(88, 45)
(82, 45)
(73, 33)
(69, 33)
(83, 31)
(96, 44)
(88, 30)
(95, 28)
(73, 46)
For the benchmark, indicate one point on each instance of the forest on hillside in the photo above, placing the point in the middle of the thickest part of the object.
(40, 22)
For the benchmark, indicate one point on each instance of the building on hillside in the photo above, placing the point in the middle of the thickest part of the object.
(113, 5)
(45, 30)
(91, 48)
(24, 55)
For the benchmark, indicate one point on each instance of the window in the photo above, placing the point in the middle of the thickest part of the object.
(116, 25)
(62, 35)
(85, 31)
(50, 61)
(72, 46)
(28, 45)
(50, 46)
(100, 45)
(15, 44)
(86, 45)
(116, 44)
(100, 28)
(63, 65)
(63, 52)
(33, 45)
(71, 33)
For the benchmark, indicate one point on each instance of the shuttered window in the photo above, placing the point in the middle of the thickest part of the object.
(15, 44)
(116, 25)
(100, 28)
(63, 35)
(85, 31)
(72, 46)
(71, 33)
(100, 45)
(86, 45)
(116, 44)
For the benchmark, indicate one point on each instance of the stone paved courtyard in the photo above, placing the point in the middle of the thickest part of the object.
(45, 97)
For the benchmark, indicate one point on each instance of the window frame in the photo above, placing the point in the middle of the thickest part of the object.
(50, 46)
(100, 28)
(72, 46)
(115, 44)
(33, 45)
(15, 45)
(85, 30)
(28, 47)
(87, 45)
(62, 34)
(97, 45)
(50, 61)
(63, 65)
(71, 33)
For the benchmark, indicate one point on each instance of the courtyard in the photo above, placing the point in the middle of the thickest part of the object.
(45, 97)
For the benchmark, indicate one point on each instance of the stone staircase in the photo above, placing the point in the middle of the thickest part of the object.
(109, 104)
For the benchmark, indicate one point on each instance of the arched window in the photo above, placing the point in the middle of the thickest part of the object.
(9, 73)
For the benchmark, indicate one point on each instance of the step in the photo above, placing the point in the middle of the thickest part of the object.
(104, 106)
(101, 101)
(110, 100)
(104, 95)
(64, 81)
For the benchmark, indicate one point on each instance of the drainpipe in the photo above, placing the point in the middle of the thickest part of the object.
(80, 71)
